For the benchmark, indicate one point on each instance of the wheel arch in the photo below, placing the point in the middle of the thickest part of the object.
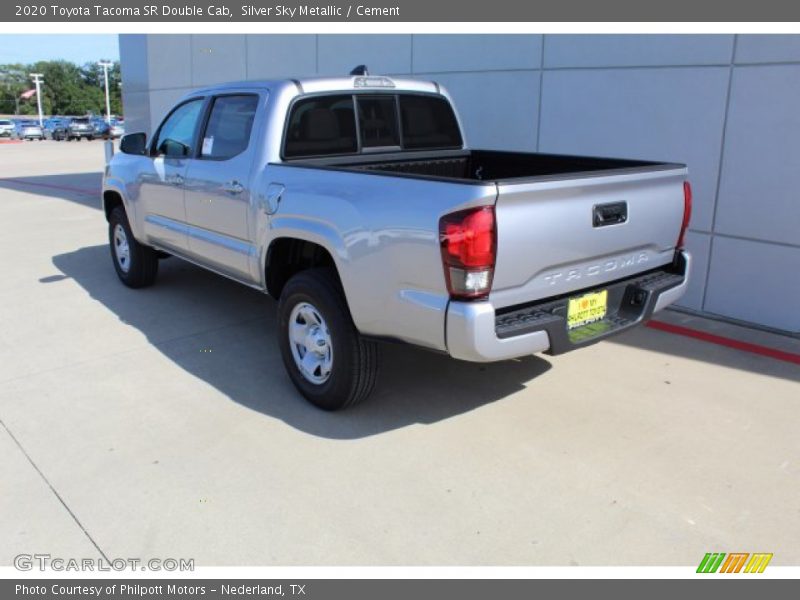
(111, 199)
(288, 255)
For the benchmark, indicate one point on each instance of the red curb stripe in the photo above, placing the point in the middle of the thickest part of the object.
(53, 186)
(725, 341)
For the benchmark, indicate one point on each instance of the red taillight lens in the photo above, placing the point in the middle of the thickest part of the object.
(468, 241)
(687, 212)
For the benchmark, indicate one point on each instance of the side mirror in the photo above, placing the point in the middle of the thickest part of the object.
(134, 143)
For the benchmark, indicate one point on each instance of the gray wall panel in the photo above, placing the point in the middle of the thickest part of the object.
(279, 56)
(509, 123)
(217, 58)
(660, 114)
(135, 71)
(137, 110)
(759, 195)
(169, 58)
(383, 54)
(767, 48)
(756, 282)
(436, 53)
(636, 50)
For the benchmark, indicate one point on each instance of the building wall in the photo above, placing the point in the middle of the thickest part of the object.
(726, 105)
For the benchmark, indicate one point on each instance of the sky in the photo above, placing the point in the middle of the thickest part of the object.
(77, 48)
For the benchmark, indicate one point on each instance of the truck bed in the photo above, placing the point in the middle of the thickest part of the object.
(564, 223)
(480, 166)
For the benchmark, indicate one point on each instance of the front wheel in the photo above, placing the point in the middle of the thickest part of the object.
(326, 358)
(135, 263)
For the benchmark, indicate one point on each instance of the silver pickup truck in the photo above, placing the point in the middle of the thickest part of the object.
(356, 203)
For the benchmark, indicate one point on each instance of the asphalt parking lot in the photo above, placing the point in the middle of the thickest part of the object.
(159, 423)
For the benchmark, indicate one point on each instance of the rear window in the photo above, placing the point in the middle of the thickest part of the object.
(428, 122)
(326, 125)
(377, 122)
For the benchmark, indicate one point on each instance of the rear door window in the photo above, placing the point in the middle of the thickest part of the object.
(322, 126)
(229, 125)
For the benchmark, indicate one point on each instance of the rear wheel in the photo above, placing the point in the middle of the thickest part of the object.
(136, 264)
(326, 358)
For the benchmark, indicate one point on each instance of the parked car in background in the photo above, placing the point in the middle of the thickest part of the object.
(101, 128)
(30, 130)
(51, 124)
(117, 129)
(7, 128)
(76, 128)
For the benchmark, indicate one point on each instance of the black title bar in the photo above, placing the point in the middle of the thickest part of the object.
(399, 11)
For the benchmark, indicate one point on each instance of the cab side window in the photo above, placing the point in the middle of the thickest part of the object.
(229, 125)
(177, 133)
(321, 126)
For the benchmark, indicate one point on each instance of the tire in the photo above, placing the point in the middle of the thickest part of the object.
(313, 303)
(137, 267)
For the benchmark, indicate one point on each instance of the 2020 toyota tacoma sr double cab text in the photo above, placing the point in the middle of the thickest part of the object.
(357, 204)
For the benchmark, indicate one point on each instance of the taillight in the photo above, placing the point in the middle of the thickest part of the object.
(687, 212)
(468, 241)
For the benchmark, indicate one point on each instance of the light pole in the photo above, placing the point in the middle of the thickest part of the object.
(106, 64)
(37, 79)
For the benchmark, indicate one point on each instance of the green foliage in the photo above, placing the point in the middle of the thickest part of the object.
(67, 89)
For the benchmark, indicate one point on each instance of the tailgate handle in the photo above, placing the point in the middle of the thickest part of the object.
(609, 214)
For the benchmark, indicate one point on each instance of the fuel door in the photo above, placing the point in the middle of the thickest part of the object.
(273, 198)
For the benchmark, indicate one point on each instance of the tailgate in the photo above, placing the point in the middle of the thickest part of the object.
(549, 241)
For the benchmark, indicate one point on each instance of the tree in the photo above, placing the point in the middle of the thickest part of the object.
(93, 76)
(14, 80)
(67, 89)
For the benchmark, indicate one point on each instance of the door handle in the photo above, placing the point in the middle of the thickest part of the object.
(610, 213)
(233, 187)
(176, 180)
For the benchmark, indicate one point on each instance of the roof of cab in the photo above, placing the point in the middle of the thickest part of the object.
(326, 84)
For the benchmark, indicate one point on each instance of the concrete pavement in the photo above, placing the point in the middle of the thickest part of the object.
(160, 423)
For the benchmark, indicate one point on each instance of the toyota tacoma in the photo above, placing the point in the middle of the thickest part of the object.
(357, 204)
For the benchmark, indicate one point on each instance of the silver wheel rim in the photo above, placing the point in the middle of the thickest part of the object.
(122, 250)
(310, 341)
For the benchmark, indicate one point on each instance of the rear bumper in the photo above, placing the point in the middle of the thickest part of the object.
(475, 332)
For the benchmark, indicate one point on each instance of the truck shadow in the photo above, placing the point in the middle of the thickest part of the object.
(225, 334)
(81, 188)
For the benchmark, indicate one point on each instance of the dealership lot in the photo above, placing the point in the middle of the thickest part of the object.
(160, 423)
